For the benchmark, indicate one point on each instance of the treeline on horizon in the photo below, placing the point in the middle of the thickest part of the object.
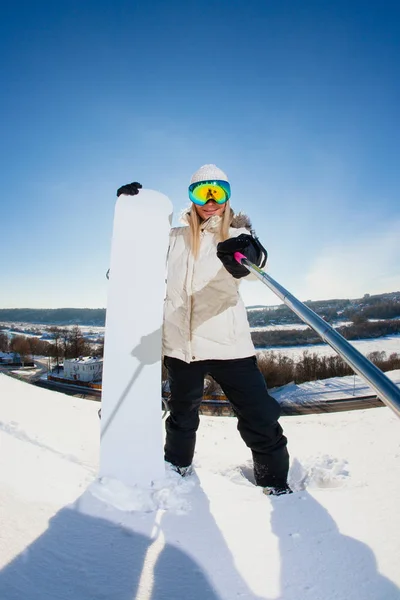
(380, 306)
(358, 312)
(55, 316)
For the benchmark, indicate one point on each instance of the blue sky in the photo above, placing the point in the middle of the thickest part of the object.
(297, 101)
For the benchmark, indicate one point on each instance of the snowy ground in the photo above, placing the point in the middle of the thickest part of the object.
(25, 329)
(296, 326)
(334, 388)
(388, 344)
(26, 372)
(214, 536)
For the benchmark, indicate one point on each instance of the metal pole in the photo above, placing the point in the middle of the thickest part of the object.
(384, 388)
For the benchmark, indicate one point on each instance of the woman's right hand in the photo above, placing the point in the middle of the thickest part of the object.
(243, 243)
(130, 189)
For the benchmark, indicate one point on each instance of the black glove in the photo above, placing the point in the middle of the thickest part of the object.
(130, 189)
(247, 245)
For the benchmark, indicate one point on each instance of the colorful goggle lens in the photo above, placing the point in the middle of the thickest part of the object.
(203, 191)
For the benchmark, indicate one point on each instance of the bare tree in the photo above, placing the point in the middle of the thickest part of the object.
(100, 348)
(56, 346)
(77, 344)
(34, 345)
(43, 348)
(20, 345)
(4, 342)
(65, 335)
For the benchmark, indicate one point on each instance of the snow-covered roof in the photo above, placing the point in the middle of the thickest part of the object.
(8, 354)
(84, 360)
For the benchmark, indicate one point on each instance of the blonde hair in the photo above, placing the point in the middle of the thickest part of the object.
(195, 222)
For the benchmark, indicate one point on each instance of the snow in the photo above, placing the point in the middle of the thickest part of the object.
(85, 360)
(66, 535)
(26, 372)
(25, 329)
(281, 327)
(294, 326)
(388, 344)
(334, 388)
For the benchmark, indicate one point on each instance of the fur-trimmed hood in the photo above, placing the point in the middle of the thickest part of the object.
(241, 220)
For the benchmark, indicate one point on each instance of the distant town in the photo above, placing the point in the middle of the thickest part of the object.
(67, 345)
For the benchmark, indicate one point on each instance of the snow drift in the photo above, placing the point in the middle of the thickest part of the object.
(66, 535)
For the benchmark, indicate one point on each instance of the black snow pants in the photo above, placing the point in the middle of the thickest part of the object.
(257, 413)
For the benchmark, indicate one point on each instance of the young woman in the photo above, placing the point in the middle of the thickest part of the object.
(206, 331)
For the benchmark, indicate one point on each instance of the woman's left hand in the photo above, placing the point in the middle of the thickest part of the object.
(130, 189)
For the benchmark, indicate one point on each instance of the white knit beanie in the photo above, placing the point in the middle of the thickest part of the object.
(209, 173)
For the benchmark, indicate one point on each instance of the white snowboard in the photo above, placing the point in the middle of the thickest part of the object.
(131, 425)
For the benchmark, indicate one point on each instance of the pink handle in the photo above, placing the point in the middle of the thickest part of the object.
(238, 256)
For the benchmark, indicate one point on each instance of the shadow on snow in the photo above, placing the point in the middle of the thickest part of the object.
(82, 556)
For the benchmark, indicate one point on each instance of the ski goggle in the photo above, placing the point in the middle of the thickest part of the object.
(203, 191)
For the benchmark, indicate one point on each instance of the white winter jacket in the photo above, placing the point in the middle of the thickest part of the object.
(204, 315)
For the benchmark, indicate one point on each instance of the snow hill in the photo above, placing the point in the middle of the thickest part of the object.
(214, 536)
(334, 388)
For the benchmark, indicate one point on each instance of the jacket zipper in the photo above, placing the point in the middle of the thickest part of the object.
(191, 301)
